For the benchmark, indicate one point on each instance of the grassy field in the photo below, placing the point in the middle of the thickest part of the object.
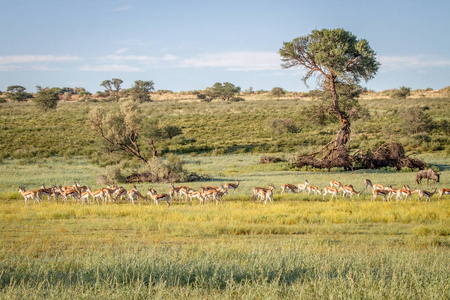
(297, 247)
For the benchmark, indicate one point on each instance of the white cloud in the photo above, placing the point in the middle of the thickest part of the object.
(111, 68)
(24, 59)
(236, 61)
(122, 50)
(143, 59)
(389, 63)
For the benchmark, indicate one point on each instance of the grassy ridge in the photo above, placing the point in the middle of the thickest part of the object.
(218, 127)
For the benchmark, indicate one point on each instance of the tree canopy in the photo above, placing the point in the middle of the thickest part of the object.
(334, 56)
(47, 98)
(112, 87)
(141, 89)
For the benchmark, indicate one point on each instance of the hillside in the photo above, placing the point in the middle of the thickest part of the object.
(260, 124)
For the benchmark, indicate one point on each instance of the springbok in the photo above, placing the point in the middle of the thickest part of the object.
(287, 187)
(378, 192)
(443, 192)
(349, 190)
(134, 193)
(330, 190)
(428, 195)
(374, 187)
(314, 189)
(302, 186)
(158, 197)
(35, 195)
(233, 186)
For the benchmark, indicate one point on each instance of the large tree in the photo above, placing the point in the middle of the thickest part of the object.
(335, 57)
(112, 87)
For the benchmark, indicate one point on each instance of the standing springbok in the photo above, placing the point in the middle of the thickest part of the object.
(35, 195)
(233, 186)
(134, 193)
(330, 190)
(367, 182)
(428, 195)
(158, 197)
(302, 186)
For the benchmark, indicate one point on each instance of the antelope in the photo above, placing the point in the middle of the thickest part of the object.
(302, 186)
(335, 183)
(269, 194)
(220, 193)
(79, 188)
(86, 196)
(233, 186)
(108, 192)
(46, 191)
(288, 188)
(349, 190)
(330, 190)
(392, 192)
(259, 192)
(264, 194)
(158, 197)
(404, 192)
(313, 188)
(68, 192)
(377, 192)
(120, 192)
(195, 194)
(134, 193)
(374, 187)
(442, 192)
(35, 195)
(256, 192)
(427, 194)
(184, 190)
(210, 193)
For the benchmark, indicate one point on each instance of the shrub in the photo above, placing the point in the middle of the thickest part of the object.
(401, 93)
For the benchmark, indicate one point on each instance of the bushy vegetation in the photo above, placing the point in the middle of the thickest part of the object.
(255, 126)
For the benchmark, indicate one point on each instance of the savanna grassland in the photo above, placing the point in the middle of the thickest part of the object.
(297, 247)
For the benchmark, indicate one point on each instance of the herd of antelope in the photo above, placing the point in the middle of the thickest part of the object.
(114, 193)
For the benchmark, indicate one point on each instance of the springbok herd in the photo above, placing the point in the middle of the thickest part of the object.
(114, 193)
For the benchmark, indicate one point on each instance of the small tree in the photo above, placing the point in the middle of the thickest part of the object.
(47, 98)
(17, 93)
(277, 92)
(225, 91)
(112, 87)
(141, 90)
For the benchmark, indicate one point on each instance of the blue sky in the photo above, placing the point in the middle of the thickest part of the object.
(190, 45)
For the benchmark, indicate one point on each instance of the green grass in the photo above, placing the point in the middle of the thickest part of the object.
(298, 247)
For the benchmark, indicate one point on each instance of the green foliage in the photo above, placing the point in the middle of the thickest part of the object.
(277, 92)
(225, 91)
(415, 120)
(333, 55)
(401, 93)
(141, 90)
(112, 87)
(17, 93)
(47, 98)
